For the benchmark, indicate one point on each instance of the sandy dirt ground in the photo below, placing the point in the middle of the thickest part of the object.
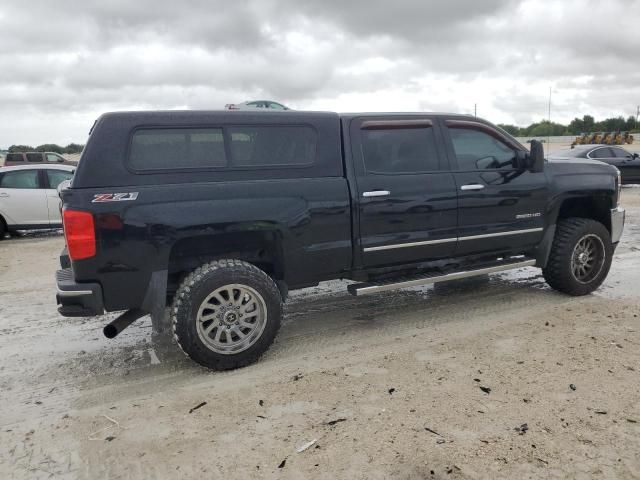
(498, 377)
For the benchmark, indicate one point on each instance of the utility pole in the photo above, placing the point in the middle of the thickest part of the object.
(637, 113)
(549, 130)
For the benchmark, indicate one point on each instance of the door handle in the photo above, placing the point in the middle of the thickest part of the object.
(4, 195)
(472, 186)
(376, 193)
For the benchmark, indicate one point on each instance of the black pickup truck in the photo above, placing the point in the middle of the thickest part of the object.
(219, 214)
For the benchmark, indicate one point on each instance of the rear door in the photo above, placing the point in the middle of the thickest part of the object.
(53, 178)
(406, 197)
(500, 207)
(23, 201)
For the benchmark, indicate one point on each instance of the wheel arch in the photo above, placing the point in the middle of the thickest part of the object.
(596, 207)
(261, 248)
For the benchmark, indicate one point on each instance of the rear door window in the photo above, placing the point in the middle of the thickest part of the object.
(34, 157)
(177, 148)
(604, 152)
(56, 177)
(264, 146)
(14, 157)
(20, 179)
(399, 150)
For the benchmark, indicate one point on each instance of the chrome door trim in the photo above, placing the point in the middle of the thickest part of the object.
(501, 234)
(454, 239)
(410, 244)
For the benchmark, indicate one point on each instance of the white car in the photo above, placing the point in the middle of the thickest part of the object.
(28, 196)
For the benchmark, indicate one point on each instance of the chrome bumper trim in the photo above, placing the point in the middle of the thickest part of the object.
(73, 293)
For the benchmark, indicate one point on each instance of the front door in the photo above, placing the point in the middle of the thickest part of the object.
(500, 207)
(406, 195)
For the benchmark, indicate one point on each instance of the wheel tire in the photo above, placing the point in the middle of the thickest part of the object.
(3, 228)
(559, 271)
(226, 279)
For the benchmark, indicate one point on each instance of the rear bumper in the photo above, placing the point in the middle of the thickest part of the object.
(77, 299)
(617, 224)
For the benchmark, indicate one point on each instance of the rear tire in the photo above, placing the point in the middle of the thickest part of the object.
(3, 228)
(226, 314)
(580, 256)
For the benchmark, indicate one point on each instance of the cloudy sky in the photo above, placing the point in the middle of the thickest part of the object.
(64, 62)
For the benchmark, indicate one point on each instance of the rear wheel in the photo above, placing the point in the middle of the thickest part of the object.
(580, 256)
(3, 228)
(226, 314)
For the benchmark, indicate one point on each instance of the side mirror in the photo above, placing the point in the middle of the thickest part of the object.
(635, 156)
(535, 160)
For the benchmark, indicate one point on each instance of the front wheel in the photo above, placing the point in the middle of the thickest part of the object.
(226, 314)
(580, 256)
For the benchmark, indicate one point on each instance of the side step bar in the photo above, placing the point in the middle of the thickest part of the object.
(366, 288)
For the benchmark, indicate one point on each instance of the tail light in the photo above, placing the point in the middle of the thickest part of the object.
(80, 234)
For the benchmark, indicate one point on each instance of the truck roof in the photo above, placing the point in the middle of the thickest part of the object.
(290, 113)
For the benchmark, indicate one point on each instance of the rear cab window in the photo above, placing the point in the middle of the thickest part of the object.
(177, 148)
(225, 148)
(265, 145)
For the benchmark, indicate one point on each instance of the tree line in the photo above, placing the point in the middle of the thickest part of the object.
(47, 147)
(577, 126)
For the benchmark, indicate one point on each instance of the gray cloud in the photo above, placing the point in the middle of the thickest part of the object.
(71, 60)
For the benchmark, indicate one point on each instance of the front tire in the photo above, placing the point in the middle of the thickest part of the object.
(226, 314)
(580, 256)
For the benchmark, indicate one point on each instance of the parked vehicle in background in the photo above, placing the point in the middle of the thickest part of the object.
(256, 104)
(219, 214)
(28, 196)
(25, 158)
(628, 163)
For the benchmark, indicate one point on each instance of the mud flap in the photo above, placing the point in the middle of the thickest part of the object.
(155, 301)
(544, 248)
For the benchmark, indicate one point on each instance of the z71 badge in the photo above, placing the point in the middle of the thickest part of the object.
(114, 197)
